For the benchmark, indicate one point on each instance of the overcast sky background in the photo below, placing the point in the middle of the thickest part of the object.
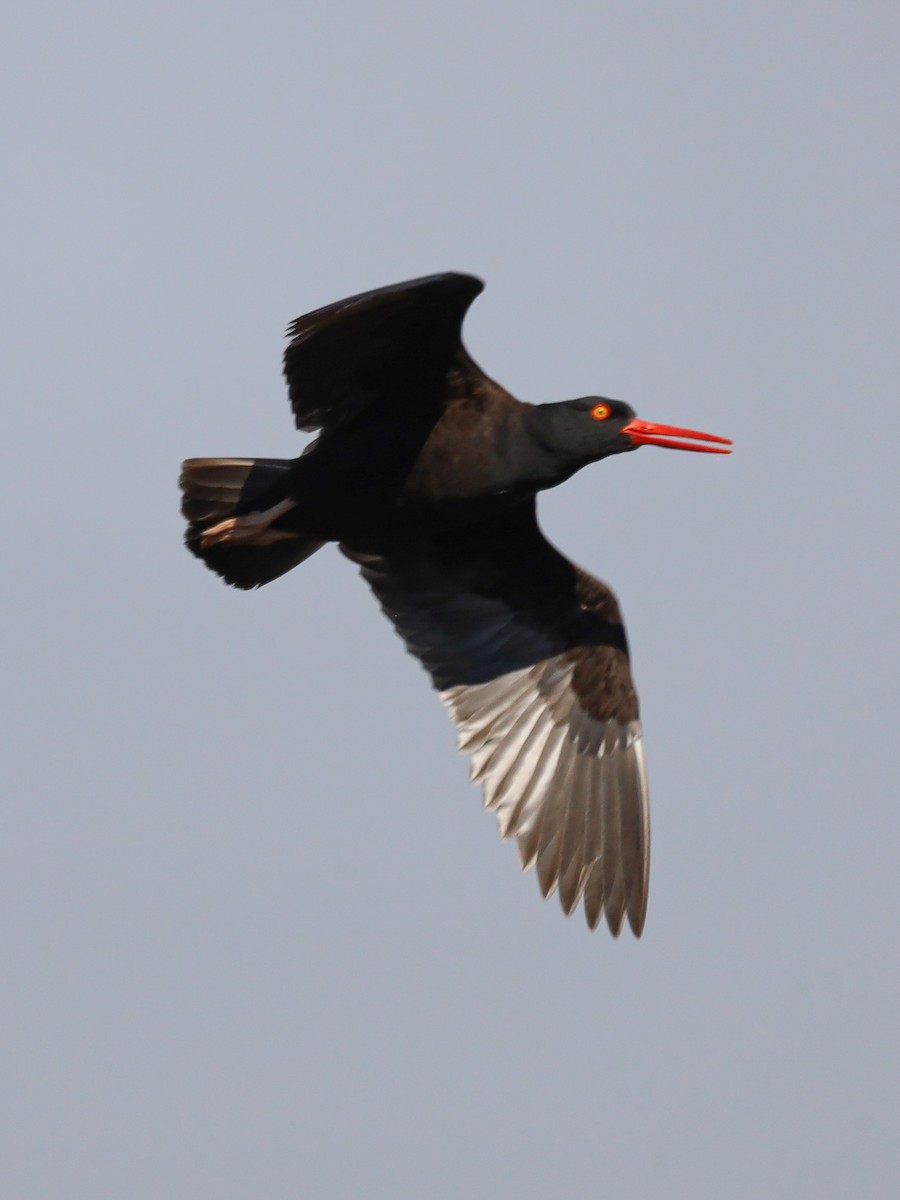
(258, 937)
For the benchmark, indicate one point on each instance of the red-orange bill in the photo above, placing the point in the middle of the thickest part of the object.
(646, 433)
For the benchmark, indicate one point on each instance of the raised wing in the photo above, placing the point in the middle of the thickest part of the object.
(529, 654)
(376, 345)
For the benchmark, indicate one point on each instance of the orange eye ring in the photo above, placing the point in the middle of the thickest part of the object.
(600, 412)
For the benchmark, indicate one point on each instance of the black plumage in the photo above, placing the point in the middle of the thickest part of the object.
(425, 472)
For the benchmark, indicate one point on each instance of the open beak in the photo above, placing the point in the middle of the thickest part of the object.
(645, 433)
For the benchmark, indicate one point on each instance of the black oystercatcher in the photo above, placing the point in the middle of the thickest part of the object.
(425, 472)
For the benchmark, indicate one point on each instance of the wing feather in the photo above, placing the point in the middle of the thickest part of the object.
(363, 350)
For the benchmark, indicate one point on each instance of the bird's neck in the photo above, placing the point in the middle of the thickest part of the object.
(556, 448)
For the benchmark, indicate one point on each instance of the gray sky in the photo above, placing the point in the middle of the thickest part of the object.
(259, 940)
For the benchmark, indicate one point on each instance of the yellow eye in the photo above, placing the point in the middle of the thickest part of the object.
(600, 412)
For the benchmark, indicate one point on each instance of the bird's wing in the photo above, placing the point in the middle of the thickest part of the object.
(529, 654)
(345, 357)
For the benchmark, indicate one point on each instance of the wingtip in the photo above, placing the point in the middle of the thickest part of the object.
(636, 922)
(615, 921)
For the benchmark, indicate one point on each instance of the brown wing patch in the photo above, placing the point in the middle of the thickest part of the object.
(602, 682)
(602, 675)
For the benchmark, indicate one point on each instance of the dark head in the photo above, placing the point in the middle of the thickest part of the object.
(577, 432)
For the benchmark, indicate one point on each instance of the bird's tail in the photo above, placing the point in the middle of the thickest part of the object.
(215, 489)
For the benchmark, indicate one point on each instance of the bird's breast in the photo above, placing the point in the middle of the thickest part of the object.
(472, 453)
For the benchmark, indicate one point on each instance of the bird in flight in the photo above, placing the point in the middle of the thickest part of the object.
(425, 473)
